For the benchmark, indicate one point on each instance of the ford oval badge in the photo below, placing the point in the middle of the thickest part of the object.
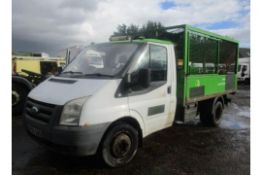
(34, 110)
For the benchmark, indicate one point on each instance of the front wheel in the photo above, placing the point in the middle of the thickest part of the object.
(19, 94)
(120, 145)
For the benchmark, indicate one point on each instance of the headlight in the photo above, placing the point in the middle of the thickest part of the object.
(71, 112)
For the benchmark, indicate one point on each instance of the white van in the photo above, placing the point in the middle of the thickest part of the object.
(243, 73)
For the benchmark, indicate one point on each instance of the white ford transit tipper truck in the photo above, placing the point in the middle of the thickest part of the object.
(114, 94)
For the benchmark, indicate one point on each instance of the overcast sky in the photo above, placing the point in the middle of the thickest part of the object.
(51, 25)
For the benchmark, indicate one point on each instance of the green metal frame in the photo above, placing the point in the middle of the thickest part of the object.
(203, 32)
(214, 84)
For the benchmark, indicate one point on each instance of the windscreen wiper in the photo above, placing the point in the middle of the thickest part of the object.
(72, 72)
(99, 75)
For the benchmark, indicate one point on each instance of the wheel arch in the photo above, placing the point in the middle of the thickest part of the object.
(22, 82)
(129, 120)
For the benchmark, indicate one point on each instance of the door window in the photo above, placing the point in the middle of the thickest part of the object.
(158, 63)
(153, 62)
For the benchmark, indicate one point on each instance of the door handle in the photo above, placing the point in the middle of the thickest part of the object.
(169, 89)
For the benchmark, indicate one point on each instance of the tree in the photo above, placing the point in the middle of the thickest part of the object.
(132, 30)
(121, 30)
(150, 29)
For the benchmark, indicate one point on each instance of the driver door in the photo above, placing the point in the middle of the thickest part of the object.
(151, 100)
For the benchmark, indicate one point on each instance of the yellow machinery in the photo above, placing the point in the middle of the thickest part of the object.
(38, 65)
(27, 72)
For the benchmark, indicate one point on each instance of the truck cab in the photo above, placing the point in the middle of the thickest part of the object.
(109, 97)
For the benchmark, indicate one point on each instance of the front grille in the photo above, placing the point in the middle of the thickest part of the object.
(39, 110)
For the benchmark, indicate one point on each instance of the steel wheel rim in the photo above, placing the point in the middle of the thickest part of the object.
(121, 145)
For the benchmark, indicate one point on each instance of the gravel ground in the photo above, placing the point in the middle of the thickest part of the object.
(182, 149)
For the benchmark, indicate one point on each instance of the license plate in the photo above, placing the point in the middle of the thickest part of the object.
(35, 131)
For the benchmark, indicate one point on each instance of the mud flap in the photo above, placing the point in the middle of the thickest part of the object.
(190, 112)
(187, 113)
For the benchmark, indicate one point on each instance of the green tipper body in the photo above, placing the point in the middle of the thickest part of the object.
(196, 87)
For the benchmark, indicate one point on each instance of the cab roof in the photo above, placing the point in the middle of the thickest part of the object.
(145, 40)
(150, 40)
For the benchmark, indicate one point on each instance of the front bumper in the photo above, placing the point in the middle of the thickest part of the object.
(79, 141)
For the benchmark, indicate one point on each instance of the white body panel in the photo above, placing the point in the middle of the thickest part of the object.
(103, 107)
(60, 93)
(140, 104)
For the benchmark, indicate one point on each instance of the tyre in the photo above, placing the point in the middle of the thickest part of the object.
(19, 94)
(210, 115)
(120, 145)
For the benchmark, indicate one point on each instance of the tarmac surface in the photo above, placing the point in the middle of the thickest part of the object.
(182, 149)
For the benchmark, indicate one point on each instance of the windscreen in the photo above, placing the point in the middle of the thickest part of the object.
(106, 59)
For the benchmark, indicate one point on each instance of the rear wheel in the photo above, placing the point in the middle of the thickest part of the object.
(19, 94)
(120, 145)
(211, 114)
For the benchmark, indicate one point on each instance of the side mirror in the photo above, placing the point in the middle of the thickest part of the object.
(140, 78)
(145, 77)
